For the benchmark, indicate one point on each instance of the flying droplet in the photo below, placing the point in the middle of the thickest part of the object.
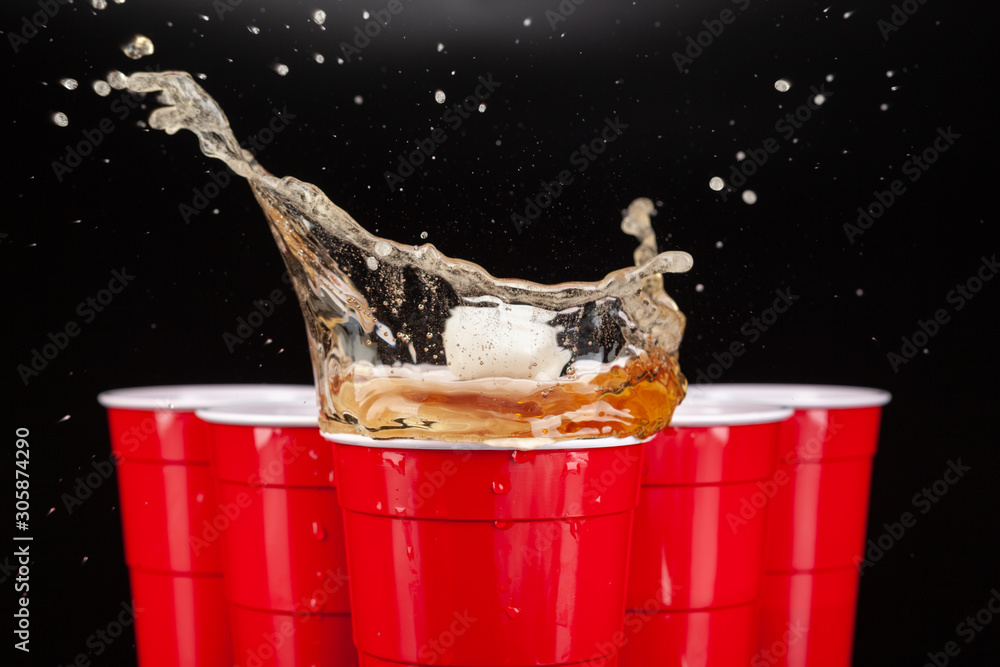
(319, 16)
(749, 197)
(282, 70)
(101, 88)
(117, 80)
(439, 96)
(740, 155)
(859, 292)
(527, 22)
(319, 58)
(137, 48)
(716, 183)
(68, 84)
(718, 244)
(482, 108)
(423, 235)
(883, 107)
(440, 47)
(699, 288)
(782, 85)
(359, 100)
(819, 99)
(253, 29)
(60, 119)
(85, 559)
(99, 4)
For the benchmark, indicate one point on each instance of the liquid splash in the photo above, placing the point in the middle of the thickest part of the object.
(409, 343)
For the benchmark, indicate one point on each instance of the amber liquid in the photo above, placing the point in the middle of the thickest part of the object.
(637, 400)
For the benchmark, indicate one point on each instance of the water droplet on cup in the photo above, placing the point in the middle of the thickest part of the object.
(503, 524)
(501, 485)
(319, 532)
(314, 604)
(512, 611)
(520, 456)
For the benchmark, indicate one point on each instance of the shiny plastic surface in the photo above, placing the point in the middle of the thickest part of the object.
(283, 545)
(515, 558)
(712, 638)
(180, 620)
(158, 435)
(167, 514)
(167, 493)
(807, 619)
(819, 516)
(267, 638)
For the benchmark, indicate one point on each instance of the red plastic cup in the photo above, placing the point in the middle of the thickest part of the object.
(818, 518)
(807, 618)
(282, 536)
(167, 494)
(463, 554)
(698, 545)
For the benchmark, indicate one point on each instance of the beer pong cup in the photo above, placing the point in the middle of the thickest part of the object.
(167, 498)
(807, 618)
(282, 536)
(698, 544)
(818, 519)
(464, 554)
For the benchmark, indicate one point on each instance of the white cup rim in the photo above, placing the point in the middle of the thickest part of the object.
(303, 414)
(695, 412)
(796, 396)
(190, 397)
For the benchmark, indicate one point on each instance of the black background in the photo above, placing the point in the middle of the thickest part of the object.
(60, 240)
